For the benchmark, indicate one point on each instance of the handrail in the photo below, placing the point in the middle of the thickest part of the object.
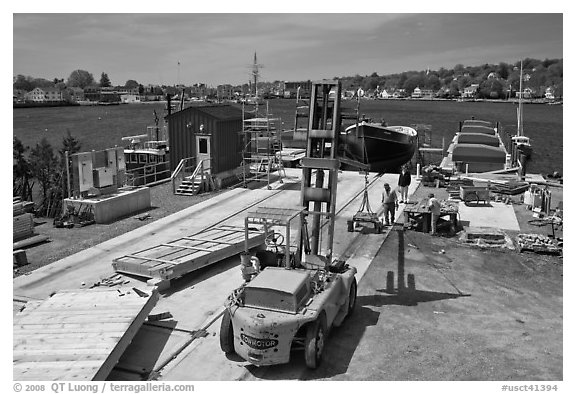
(179, 168)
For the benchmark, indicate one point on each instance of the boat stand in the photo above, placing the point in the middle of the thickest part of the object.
(365, 214)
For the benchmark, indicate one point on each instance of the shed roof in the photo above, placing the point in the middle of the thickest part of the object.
(218, 111)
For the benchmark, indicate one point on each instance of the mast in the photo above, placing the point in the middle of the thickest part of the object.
(520, 114)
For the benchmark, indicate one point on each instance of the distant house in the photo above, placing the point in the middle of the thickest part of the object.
(92, 93)
(36, 95)
(422, 93)
(127, 98)
(75, 93)
(18, 95)
(291, 89)
(526, 94)
(549, 95)
(470, 91)
(383, 94)
(492, 75)
(53, 94)
(399, 93)
(417, 93)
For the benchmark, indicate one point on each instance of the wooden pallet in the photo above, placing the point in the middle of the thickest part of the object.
(176, 258)
(77, 334)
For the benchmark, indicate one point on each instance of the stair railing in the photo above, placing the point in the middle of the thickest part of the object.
(183, 167)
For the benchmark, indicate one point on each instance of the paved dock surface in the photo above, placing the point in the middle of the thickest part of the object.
(475, 314)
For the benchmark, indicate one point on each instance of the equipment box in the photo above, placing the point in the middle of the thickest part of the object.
(474, 193)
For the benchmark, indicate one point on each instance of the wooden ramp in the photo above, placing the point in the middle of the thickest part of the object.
(77, 334)
(176, 258)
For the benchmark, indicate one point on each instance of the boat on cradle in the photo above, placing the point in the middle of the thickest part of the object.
(383, 148)
(147, 157)
(477, 147)
(521, 145)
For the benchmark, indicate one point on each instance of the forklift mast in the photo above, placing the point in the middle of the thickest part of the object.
(318, 194)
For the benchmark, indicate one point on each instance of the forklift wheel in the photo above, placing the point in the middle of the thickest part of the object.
(315, 341)
(352, 297)
(226, 333)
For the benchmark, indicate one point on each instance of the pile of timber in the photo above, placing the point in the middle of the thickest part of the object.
(511, 188)
(538, 243)
(23, 226)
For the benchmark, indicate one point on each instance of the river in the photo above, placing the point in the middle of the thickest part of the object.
(100, 127)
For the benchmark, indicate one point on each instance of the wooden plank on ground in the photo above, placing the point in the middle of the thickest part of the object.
(77, 335)
(176, 258)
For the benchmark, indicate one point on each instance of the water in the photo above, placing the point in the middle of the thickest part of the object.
(100, 127)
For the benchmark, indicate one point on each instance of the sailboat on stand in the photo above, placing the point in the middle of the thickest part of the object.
(521, 144)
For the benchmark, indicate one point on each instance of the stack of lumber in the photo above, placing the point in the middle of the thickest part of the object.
(23, 226)
(77, 334)
(23, 234)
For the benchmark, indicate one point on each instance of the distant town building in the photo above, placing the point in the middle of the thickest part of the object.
(291, 89)
(75, 94)
(225, 92)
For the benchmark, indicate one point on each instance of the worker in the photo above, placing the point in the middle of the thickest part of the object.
(389, 203)
(403, 182)
(434, 207)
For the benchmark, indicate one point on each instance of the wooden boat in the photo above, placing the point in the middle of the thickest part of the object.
(383, 148)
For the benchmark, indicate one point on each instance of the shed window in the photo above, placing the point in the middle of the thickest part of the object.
(152, 159)
(142, 158)
(203, 146)
(133, 158)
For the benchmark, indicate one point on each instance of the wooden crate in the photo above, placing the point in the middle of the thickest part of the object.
(77, 334)
(176, 258)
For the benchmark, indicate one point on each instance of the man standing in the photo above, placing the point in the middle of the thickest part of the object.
(390, 204)
(403, 182)
(434, 207)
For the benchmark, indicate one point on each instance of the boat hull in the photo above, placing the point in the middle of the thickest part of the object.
(383, 149)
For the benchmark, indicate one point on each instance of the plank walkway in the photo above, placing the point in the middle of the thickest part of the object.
(176, 258)
(77, 334)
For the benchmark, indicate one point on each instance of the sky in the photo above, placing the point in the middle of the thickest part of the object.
(218, 48)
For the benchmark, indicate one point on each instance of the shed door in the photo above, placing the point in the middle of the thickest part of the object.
(203, 151)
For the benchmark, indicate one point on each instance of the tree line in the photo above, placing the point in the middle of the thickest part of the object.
(43, 165)
(494, 80)
(77, 78)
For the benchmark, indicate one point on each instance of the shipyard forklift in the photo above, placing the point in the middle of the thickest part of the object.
(294, 294)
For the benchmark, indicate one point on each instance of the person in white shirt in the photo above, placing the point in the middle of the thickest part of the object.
(434, 207)
(389, 203)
